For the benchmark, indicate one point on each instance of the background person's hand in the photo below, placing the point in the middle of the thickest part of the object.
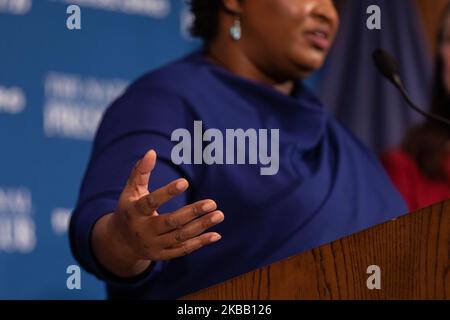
(128, 240)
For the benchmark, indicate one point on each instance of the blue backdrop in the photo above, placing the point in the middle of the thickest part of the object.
(55, 83)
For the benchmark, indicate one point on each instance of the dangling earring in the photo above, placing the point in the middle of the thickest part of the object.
(236, 30)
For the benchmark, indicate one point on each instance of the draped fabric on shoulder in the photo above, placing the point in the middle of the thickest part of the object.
(328, 184)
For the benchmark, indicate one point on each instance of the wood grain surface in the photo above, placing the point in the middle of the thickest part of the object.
(412, 252)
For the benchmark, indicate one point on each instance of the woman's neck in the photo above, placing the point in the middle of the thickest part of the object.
(230, 57)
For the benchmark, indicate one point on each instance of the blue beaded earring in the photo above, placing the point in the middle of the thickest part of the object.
(236, 30)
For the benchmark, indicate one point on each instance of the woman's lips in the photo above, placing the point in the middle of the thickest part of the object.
(319, 39)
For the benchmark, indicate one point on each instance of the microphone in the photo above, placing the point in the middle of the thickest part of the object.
(387, 66)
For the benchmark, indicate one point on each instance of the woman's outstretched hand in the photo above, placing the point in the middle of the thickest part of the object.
(127, 241)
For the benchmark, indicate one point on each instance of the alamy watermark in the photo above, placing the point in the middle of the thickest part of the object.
(73, 21)
(374, 20)
(374, 280)
(73, 281)
(236, 146)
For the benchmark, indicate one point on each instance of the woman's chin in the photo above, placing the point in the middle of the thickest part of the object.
(311, 60)
(305, 68)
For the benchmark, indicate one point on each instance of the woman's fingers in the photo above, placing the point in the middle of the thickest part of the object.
(163, 237)
(174, 220)
(190, 246)
(191, 230)
(152, 201)
(137, 183)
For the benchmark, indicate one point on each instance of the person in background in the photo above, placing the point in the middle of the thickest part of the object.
(420, 168)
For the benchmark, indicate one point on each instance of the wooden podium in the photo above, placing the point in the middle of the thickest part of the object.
(412, 252)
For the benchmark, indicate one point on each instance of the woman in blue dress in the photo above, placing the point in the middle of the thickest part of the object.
(162, 228)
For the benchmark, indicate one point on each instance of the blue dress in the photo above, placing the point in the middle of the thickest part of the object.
(328, 185)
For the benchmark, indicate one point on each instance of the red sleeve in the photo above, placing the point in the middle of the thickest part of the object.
(403, 173)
